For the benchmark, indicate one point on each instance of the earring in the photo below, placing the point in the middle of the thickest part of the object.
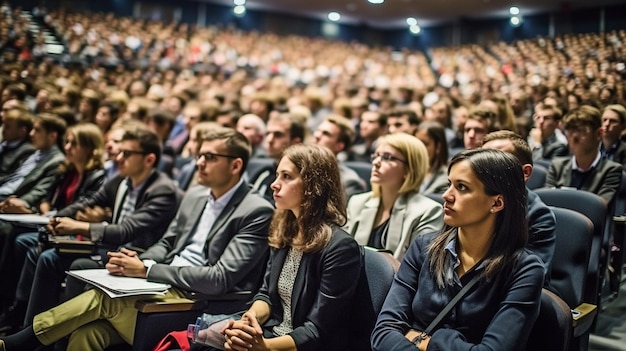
(491, 210)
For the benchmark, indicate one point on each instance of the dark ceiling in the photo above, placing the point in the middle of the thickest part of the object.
(393, 13)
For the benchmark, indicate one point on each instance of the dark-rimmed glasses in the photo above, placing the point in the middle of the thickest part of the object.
(129, 153)
(385, 156)
(210, 156)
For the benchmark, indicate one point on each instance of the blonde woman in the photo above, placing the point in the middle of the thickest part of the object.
(394, 212)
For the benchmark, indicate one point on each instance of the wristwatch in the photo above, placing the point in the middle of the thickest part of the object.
(419, 338)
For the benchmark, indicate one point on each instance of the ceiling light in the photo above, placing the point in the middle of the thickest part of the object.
(239, 10)
(334, 16)
(411, 21)
(514, 10)
(415, 29)
(239, 2)
(516, 21)
(376, 1)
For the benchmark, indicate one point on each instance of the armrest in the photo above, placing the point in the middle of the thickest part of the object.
(583, 317)
(195, 301)
(167, 305)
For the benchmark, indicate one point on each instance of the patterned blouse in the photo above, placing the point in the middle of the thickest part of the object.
(286, 280)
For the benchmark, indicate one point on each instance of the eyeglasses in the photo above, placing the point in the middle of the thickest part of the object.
(387, 157)
(210, 157)
(129, 153)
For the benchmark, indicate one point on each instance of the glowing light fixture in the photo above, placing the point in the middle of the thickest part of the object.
(514, 10)
(376, 2)
(334, 16)
(516, 21)
(415, 29)
(411, 21)
(239, 10)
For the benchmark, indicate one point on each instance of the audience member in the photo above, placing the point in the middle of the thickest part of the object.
(337, 133)
(484, 239)
(283, 130)
(313, 261)
(402, 121)
(585, 169)
(613, 124)
(373, 124)
(15, 146)
(543, 139)
(479, 122)
(433, 135)
(216, 244)
(80, 176)
(253, 128)
(541, 219)
(394, 213)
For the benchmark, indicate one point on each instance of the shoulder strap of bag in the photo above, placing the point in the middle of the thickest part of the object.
(451, 304)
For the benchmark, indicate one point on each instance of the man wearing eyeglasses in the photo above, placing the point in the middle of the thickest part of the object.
(585, 169)
(132, 209)
(216, 244)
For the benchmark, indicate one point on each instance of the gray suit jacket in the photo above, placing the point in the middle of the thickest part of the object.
(39, 183)
(155, 207)
(438, 183)
(604, 180)
(413, 214)
(236, 246)
(11, 159)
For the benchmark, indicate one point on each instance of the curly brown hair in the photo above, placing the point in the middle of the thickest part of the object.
(323, 201)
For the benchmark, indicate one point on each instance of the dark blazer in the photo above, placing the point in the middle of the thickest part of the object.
(236, 246)
(39, 183)
(156, 206)
(604, 180)
(186, 174)
(12, 158)
(92, 182)
(619, 155)
(541, 227)
(321, 295)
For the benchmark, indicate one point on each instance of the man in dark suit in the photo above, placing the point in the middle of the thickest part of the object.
(217, 243)
(132, 209)
(16, 146)
(544, 140)
(35, 177)
(613, 124)
(541, 219)
(282, 131)
(337, 133)
(31, 182)
(586, 169)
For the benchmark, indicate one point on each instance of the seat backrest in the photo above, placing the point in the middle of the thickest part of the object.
(553, 329)
(594, 207)
(571, 255)
(537, 177)
(363, 169)
(377, 272)
(619, 204)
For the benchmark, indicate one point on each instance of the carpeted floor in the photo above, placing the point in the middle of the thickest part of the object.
(610, 332)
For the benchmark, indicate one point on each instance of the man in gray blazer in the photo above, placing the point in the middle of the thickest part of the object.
(216, 244)
(586, 169)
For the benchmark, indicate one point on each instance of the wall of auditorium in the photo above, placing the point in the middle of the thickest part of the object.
(463, 31)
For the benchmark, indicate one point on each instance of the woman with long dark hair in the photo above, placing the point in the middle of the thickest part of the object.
(484, 237)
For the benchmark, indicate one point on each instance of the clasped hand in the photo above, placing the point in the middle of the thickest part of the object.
(126, 263)
(244, 335)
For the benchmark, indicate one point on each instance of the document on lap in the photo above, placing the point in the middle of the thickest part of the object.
(25, 218)
(116, 286)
